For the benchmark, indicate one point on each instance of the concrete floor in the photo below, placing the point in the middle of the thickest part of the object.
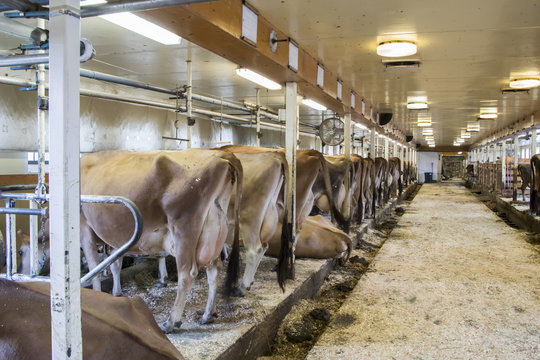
(453, 281)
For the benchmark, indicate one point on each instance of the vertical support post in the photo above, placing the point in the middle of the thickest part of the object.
(372, 144)
(385, 142)
(347, 154)
(11, 241)
(291, 126)
(258, 118)
(64, 185)
(34, 260)
(42, 117)
(503, 164)
(189, 104)
(516, 160)
(533, 139)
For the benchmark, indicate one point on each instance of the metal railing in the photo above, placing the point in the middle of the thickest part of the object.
(10, 210)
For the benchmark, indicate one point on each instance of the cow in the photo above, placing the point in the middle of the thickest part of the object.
(363, 192)
(319, 239)
(183, 197)
(406, 173)
(264, 198)
(339, 169)
(470, 171)
(535, 185)
(24, 253)
(394, 178)
(112, 328)
(379, 185)
(525, 175)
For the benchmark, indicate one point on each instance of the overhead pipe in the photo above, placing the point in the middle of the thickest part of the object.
(132, 6)
(15, 29)
(152, 103)
(140, 85)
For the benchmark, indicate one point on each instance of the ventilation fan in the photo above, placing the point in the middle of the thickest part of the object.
(332, 131)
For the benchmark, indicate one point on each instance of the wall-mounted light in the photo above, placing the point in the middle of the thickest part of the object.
(258, 79)
(143, 27)
(525, 83)
(396, 48)
(417, 105)
(314, 105)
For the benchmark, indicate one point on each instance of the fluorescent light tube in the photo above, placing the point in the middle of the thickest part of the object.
(314, 105)
(92, 2)
(143, 27)
(258, 79)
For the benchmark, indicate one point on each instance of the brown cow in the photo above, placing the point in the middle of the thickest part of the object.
(394, 178)
(535, 184)
(112, 328)
(379, 188)
(264, 199)
(525, 175)
(183, 197)
(363, 193)
(339, 168)
(319, 239)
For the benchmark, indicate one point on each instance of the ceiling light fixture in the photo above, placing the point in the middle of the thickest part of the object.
(396, 48)
(314, 105)
(525, 83)
(428, 131)
(488, 116)
(431, 145)
(258, 79)
(417, 105)
(473, 127)
(143, 27)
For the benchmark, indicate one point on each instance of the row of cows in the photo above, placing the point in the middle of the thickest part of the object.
(194, 202)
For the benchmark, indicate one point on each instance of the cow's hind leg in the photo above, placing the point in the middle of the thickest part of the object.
(186, 276)
(212, 270)
(116, 267)
(162, 269)
(89, 246)
(253, 259)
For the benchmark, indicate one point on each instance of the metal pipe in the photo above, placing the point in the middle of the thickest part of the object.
(11, 247)
(15, 211)
(189, 102)
(258, 119)
(124, 248)
(17, 187)
(121, 81)
(131, 6)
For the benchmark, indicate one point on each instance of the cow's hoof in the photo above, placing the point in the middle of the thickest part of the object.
(238, 293)
(167, 327)
(161, 285)
(205, 320)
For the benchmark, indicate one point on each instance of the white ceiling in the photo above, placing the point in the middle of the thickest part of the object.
(469, 50)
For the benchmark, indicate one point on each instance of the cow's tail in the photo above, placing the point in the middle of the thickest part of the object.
(343, 223)
(233, 267)
(532, 201)
(285, 268)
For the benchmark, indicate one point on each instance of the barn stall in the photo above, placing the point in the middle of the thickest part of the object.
(136, 94)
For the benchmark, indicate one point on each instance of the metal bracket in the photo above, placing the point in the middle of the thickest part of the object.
(191, 121)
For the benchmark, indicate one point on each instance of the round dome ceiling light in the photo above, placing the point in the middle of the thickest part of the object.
(524, 83)
(417, 105)
(488, 116)
(396, 48)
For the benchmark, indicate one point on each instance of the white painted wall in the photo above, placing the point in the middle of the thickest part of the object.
(107, 125)
(12, 162)
(428, 162)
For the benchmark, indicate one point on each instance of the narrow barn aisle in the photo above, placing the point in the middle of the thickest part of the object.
(452, 281)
